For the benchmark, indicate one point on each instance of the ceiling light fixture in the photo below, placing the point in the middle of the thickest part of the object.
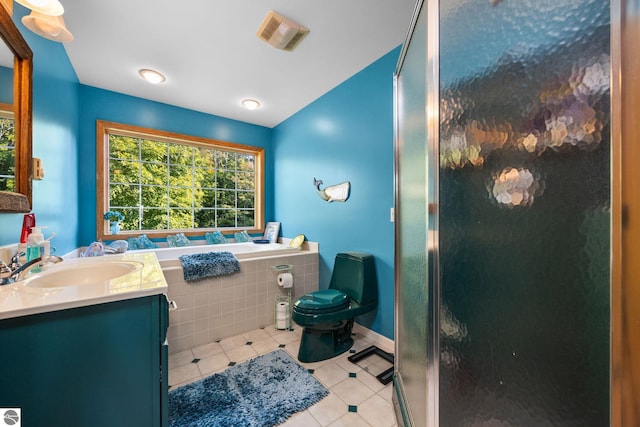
(47, 26)
(46, 7)
(152, 76)
(251, 104)
(280, 32)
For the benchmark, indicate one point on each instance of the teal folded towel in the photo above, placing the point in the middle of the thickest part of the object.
(210, 264)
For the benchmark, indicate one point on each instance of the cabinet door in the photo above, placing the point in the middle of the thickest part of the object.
(91, 366)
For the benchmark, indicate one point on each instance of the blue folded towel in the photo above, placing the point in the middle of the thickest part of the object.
(210, 264)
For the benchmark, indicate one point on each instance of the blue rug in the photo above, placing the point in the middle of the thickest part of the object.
(261, 392)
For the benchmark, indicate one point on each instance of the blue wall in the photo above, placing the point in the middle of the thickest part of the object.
(346, 135)
(55, 124)
(98, 104)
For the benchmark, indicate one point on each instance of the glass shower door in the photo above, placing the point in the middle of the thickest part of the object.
(414, 237)
(524, 213)
(503, 195)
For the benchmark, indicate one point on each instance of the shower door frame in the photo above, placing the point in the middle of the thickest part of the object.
(432, 285)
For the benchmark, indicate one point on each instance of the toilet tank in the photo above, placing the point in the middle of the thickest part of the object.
(354, 273)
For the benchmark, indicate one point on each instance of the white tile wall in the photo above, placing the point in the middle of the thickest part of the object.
(221, 307)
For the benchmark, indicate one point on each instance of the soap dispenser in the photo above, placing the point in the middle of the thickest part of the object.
(36, 245)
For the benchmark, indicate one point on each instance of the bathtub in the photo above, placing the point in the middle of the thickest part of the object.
(245, 250)
(221, 307)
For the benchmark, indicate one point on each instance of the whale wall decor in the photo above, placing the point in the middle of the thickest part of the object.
(333, 193)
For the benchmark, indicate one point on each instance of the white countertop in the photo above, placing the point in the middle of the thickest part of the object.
(20, 299)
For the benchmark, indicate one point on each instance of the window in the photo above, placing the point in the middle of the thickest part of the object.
(164, 183)
(7, 149)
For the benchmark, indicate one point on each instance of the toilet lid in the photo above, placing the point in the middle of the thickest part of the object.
(322, 300)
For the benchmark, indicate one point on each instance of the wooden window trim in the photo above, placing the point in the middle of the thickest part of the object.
(104, 128)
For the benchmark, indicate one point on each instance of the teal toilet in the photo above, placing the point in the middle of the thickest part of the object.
(327, 315)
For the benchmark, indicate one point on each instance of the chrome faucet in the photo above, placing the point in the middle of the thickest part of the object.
(15, 271)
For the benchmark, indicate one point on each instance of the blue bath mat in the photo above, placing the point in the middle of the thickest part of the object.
(261, 392)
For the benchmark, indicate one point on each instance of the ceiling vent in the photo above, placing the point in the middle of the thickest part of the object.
(280, 32)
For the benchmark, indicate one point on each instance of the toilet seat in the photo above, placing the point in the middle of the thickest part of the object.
(323, 301)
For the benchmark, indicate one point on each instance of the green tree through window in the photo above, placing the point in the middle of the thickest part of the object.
(7, 151)
(165, 182)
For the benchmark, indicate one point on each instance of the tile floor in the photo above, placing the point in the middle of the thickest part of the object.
(356, 397)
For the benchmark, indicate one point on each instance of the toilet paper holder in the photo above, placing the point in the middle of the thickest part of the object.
(282, 268)
(282, 312)
(282, 303)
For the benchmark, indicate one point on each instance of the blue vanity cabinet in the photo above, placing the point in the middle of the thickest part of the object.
(100, 365)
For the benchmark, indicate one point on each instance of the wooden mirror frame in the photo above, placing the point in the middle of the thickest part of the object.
(20, 200)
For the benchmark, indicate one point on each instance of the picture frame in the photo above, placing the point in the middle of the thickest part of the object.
(271, 232)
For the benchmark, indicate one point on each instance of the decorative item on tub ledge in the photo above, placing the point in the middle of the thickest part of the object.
(114, 218)
(141, 242)
(333, 193)
(214, 238)
(271, 232)
(297, 241)
(242, 236)
(177, 241)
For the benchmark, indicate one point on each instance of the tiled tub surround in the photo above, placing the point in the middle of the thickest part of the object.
(216, 308)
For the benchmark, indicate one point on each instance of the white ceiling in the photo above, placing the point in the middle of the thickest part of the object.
(212, 58)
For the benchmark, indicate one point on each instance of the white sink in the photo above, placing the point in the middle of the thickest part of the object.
(79, 274)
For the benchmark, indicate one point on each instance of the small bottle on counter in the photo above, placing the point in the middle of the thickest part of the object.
(36, 245)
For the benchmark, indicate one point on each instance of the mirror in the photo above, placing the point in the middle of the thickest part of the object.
(19, 200)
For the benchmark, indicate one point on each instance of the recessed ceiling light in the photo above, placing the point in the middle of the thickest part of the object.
(152, 76)
(251, 104)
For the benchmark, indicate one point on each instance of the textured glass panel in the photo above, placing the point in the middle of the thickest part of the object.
(411, 357)
(524, 213)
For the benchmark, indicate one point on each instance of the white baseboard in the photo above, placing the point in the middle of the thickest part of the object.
(381, 341)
